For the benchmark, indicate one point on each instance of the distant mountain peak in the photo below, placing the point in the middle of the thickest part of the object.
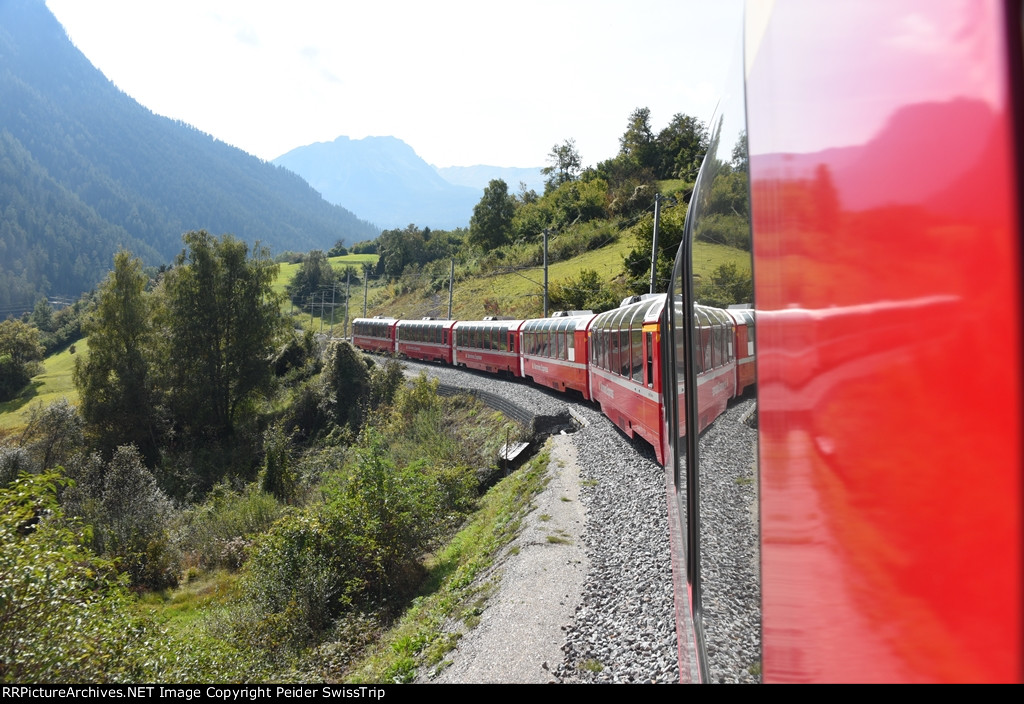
(383, 180)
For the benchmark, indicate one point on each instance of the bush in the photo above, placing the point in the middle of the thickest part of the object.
(65, 616)
(13, 377)
(216, 533)
(395, 493)
(130, 516)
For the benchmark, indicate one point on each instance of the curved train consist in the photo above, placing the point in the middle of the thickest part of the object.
(882, 145)
(612, 358)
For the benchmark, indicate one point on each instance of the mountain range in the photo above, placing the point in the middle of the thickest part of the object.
(85, 170)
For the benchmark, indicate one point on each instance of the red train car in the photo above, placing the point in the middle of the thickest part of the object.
(428, 340)
(625, 368)
(883, 147)
(553, 352)
(626, 364)
(374, 334)
(488, 345)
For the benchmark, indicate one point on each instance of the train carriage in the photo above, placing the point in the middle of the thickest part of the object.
(427, 340)
(553, 352)
(488, 346)
(625, 366)
(374, 334)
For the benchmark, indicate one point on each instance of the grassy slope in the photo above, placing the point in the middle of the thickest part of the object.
(53, 383)
(314, 322)
(519, 295)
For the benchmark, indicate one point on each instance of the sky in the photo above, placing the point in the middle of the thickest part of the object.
(463, 83)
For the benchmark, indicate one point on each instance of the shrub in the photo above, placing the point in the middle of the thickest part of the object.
(130, 516)
(65, 616)
(215, 533)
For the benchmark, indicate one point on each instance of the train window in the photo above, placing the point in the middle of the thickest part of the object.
(636, 346)
(612, 341)
(623, 366)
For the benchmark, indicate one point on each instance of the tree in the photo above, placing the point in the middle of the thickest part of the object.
(681, 148)
(492, 216)
(565, 165)
(113, 381)
(726, 285)
(64, 616)
(637, 143)
(315, 275)
(345, 384)
(42, 315)
(220, 318)
(20, 353)
(583, 292)
(400, 248)
(20, 341)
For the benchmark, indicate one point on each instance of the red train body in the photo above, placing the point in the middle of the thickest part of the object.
(427, 340)
(883, 147)
(554, 352)
(374, 334)
(488, 346)
(613, 358)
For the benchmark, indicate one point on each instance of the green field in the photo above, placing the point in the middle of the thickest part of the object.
(339, 263)
(53, 383)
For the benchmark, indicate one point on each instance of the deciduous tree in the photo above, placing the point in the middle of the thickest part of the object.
(564, 165)
(492, 216)
(637, 142)
(220, 319)
(113, 380)
(20, 353)
(681, 148)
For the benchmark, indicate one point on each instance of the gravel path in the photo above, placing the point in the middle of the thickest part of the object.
(520, 635)
(600, 607)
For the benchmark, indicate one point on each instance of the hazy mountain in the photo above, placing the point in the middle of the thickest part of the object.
(382, 180)
(84, 170)
(479, 176)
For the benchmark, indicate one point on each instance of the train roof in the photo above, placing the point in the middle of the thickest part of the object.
(510, 324)
(575, 322)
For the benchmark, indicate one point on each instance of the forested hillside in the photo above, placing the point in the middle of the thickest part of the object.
(85, 170)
